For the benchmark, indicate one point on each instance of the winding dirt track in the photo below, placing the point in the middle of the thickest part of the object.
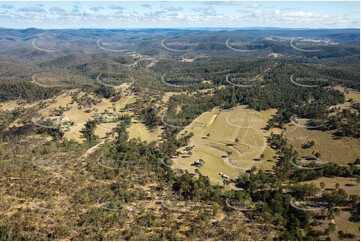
(91, 150)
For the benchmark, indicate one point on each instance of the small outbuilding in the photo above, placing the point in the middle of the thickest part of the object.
(225, 176)
(198, 163)
(189, 148)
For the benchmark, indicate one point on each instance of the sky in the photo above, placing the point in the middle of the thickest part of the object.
(175, 14)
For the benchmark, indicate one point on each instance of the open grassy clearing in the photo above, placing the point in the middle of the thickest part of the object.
(61, 100)
(167, 96)
(136, 130)
(350, 185)
(344, 224)
(215, 135)
(332, 149)
(340, 151)
(15, 123)
(349, 93)
(139, 130)
(81, 116)
(11, 105)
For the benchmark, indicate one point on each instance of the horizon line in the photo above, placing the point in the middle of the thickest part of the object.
(180, 28)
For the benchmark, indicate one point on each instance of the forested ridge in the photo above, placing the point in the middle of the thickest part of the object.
(114, 187)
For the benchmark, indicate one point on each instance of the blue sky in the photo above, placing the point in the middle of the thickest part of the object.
(174, 14)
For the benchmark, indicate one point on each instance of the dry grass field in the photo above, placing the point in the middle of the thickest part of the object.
(11, 105)
(139, 130)
(332, 149)
(340, 151)
(229, 142)
(349, 93)
(81, 116)
(350, 185)
(342, 223)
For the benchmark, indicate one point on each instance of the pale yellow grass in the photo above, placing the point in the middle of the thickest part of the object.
(342, 219)
(189, 60)
(11, 105)
(223, 127)
(343, 224)
(15, 123)
(80, 117)
(349, 93)
(342, 181)
(167, 96)
(340, 151)
(139, 130)
(61, 100)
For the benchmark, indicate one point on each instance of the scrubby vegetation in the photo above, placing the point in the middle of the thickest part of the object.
(106, 186)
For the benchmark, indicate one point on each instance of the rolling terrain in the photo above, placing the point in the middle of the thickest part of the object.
(101, 132)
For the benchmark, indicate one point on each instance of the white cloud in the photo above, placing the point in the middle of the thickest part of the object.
(89, 12)
(222, 3)
(194, 15)
(205, 11)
